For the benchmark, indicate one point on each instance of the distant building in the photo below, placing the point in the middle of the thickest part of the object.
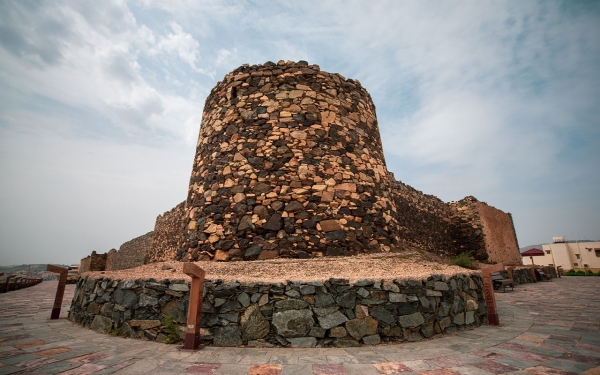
(577, 255)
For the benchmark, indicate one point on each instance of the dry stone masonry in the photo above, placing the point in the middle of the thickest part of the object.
(297, 314)
(131, 254)
(289, 164)
(168, 234)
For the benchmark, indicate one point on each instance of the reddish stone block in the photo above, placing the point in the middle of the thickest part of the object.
(265, 370)
(329, 370)
(202, 369)
(54, 351)
(391, 367)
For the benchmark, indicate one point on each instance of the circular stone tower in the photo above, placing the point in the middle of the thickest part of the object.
(289, 163)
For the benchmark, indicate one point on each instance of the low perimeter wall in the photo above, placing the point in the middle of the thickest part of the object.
(300, 314)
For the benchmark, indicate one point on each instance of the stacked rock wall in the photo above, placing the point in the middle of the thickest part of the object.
(486, 232)
(500, 240)
(333, 312)
(93, 262)
(168, 234)
(424, 220)
(131, 254)
(289, 163)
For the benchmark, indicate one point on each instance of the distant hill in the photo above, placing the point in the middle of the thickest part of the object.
(25, 267)
(530, 247)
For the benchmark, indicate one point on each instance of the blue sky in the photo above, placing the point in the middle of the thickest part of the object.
(100, 105)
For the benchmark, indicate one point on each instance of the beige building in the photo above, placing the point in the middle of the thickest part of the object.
(577, 255)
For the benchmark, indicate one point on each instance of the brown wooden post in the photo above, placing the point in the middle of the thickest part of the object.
(533, 273)
(5, 288)
(488, 293)
(60, 290)
(192, 330)
(17, 284)
(509, 270)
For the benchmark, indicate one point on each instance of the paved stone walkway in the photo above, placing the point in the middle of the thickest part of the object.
(546, 328)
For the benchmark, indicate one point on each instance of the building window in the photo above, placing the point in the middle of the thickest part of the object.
(577, 255)
(575, 264)
(547, 251)
(597, 252)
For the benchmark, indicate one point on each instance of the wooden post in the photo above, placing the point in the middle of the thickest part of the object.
(60, 290)
(488, 293)
(510, 272)
(192, 330)
(17, 284)
(533, 273)
(5, 288)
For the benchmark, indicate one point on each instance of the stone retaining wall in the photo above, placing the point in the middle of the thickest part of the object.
(523, 275)
(300, 314)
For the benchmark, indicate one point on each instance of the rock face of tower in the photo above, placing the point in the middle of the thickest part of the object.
(289, 163)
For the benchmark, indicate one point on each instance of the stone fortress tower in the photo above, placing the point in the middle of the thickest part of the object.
(289, 162)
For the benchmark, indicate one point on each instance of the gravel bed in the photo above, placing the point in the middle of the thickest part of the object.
(374, 266)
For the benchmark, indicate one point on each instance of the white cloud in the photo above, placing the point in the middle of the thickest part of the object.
(100, 68)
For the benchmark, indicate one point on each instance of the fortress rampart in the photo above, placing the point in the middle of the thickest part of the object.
(289, 163)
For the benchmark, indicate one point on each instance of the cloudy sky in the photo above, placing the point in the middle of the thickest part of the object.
(100, 105)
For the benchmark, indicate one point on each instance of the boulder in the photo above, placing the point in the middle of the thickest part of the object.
(228, 336)
(293, 323)
(358, 328)
(254, 324)
(412, 320)
(101, 324)
(332, 320)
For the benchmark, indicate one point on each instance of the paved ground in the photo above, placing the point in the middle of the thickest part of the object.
(546, 328)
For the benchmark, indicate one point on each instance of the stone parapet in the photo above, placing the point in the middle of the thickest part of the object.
(168, 234)
(93, 262)
(298, 314)
(131, 254)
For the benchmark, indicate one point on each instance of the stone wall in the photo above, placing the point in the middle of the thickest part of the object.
(500, 239)
(424, 220)
(93, 262)
(168, 234)
(131, 254)
(523, 275)
(484, 231)
(289, 163)
(467, 229)
(300, 314)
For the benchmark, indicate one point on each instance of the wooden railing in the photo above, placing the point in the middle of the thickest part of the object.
(14, 282)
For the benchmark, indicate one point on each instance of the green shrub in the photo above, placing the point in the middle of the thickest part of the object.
(171, 328)
(590, 273)
(580, 273)
(464, 260)
(570, 272)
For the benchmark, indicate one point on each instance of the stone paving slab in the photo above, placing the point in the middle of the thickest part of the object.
(546, 328)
